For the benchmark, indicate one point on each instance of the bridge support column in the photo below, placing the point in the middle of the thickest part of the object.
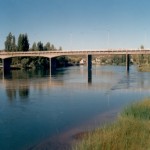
(52, 64)
(127, 62)
(89, 66)
(89, 62)
(6, 65)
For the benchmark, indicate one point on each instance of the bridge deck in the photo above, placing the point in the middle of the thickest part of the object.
(50, 54)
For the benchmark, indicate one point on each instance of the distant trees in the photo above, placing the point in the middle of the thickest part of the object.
(34, 47)
(119, 59)
(23, 43)
(10, 43)
(41, 47)
(142, 47)
(47, 46)
(60, 48)
(141, 59)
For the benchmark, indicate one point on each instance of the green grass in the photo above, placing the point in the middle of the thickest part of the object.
(130, 132)
(140, 110)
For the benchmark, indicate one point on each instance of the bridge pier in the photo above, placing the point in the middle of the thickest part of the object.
(6, 65)
(127, 62)
(89, 67)
(52, 64)
(89, 62)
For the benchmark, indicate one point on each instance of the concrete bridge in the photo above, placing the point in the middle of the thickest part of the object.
(51, 54)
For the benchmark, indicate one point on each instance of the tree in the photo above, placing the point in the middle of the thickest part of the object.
(20, 42)
(141, 57)
(24, 62)
(10, 44)
(23, 43)
(34, 47)
(52, 47)
(142, 47)
(40, 46)
(14, 47)
(47, 46)
(124, 59)
(60, 48)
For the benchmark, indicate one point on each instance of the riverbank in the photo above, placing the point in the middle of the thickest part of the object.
(144, 68)
(130, 131)
(65, 140)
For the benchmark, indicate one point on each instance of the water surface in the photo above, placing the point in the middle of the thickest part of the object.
(35, 106)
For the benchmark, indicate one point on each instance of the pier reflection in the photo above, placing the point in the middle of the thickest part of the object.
(18, 83)
(89, 77)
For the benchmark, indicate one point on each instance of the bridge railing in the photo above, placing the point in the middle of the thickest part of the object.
(98, 51)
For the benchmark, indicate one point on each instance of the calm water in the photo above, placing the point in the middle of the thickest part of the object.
(35, 105)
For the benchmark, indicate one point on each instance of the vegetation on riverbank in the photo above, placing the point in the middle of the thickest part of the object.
(142, 61)
(144, 68)
(130, 131)
(23, 44)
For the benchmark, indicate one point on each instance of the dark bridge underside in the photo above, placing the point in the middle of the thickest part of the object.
(52, 62)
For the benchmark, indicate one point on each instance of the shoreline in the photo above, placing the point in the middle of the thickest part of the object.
(129, 131)
(66, 139)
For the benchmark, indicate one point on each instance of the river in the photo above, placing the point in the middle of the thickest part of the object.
(38, 109)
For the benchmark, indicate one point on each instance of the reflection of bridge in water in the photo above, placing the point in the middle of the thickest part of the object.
(46, 83)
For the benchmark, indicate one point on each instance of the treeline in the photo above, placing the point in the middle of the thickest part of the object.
(22, 44)
(141, 59)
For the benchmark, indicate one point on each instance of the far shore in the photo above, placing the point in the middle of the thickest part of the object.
(144, 68)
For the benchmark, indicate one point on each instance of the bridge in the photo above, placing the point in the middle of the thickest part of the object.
(51, 54)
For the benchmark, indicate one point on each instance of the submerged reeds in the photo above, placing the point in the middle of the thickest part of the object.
(130, 132)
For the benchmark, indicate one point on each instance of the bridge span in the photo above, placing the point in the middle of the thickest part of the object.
(51, 54)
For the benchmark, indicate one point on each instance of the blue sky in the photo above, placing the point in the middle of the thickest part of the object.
(78, 24)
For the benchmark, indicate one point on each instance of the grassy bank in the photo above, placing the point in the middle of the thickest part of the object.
(144, 68)
(131, 131)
